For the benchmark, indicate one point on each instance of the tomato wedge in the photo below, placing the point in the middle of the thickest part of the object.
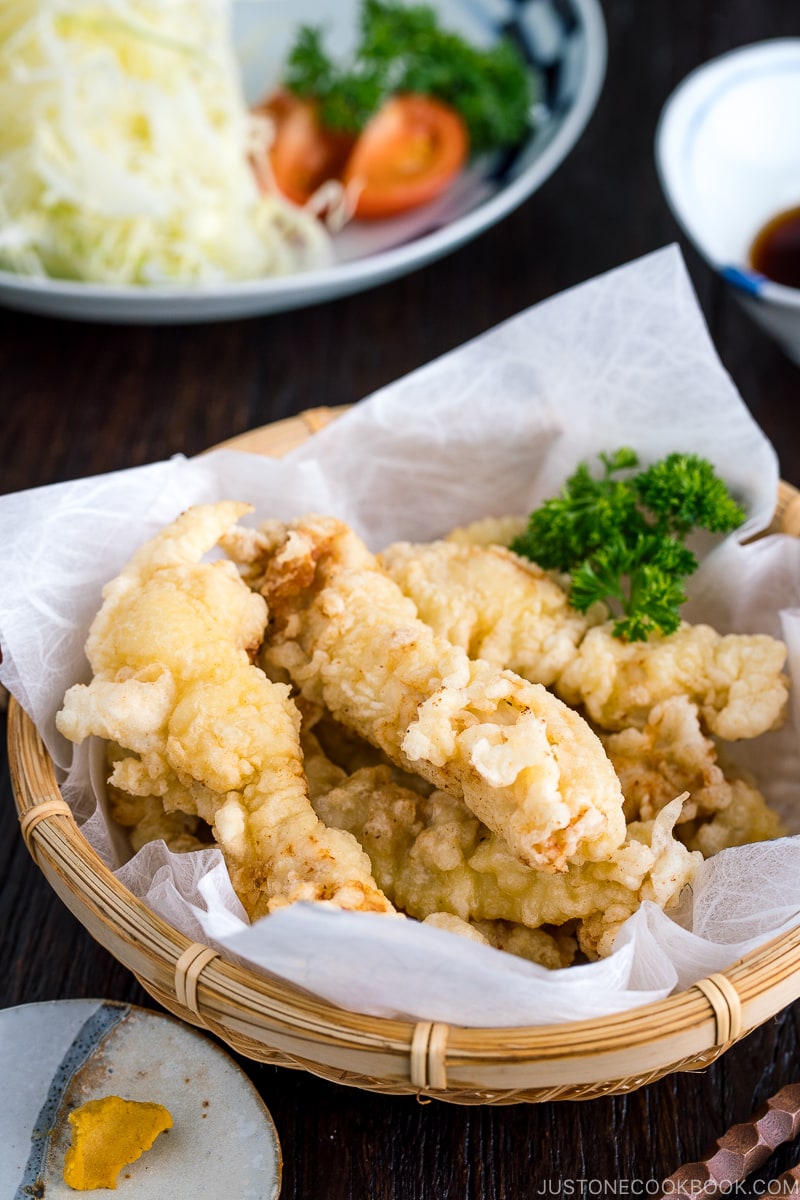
(407, 155)
(304, 154)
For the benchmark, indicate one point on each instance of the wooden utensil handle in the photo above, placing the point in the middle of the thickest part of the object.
(741, 1150)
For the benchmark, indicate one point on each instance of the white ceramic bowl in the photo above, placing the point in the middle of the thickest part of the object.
(564, 40)
(728, 154)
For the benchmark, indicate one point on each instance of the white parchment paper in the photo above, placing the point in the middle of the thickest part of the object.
(491, 428)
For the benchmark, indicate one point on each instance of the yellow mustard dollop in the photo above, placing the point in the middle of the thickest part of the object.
(107, 1134)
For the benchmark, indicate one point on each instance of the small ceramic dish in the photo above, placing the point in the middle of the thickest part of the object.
(728, 155)
(63, 1053)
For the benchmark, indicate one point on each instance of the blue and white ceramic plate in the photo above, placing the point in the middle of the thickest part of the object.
(57, 1055)
(565, 43)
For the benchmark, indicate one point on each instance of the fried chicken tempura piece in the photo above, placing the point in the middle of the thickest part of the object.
(453, 924)
(430, 854)
(736, 680)
(208, 732)
(510, 612)
(552, 950)
(489, 531)
(491, 603)
(526, 764)
(146, 821)
(670, 755)
(745, 818)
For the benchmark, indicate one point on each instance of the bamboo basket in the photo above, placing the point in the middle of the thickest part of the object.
(272, 1021)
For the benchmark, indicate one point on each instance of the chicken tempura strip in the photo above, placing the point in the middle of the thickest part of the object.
(736, 680)
(431, 854)
(549, 949)
(146, 821)
(526, 765)
(670, 755)
(499, 607)
(553, 947)
(489, 531)
(209, 733)
(491, 603)
(745, 818)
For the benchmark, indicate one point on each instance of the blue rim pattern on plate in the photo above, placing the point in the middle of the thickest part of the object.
(567, 42)
(94, 1029)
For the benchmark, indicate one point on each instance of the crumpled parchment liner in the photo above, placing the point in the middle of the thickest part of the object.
(492, 427)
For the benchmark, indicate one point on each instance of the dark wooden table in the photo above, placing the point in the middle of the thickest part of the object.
(79, 399)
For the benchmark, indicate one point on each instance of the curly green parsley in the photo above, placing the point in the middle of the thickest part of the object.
(402, 48)
(621, 536)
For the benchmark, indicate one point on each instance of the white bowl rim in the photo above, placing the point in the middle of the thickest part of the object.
(188, 302)
(757, 287)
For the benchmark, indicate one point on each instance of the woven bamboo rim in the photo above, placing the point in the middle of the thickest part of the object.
(272, 1021)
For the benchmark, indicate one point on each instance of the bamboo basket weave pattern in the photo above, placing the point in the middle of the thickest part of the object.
(272, 1021)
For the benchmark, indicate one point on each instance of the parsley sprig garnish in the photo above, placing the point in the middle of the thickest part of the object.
(621, 536)
(403, 49)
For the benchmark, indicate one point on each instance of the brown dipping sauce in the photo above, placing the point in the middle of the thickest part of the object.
(775, 252)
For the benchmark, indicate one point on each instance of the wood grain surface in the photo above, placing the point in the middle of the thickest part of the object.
(80, 399)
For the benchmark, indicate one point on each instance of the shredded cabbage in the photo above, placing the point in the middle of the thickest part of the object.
(124, 141)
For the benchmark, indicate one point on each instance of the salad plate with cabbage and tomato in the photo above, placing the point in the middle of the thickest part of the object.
(206, 159)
